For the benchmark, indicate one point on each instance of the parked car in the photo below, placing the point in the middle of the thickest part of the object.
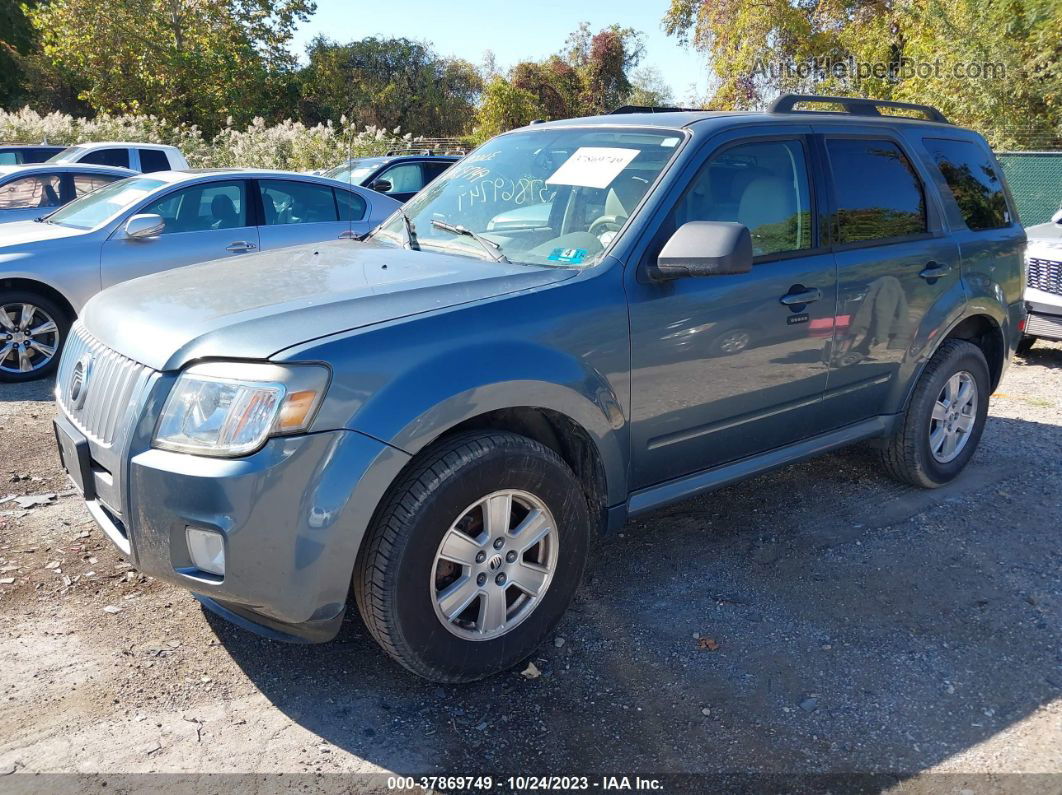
(399, 176)
(145, 158)
(28, 192)
(1043, 291)
(440, 418)
(148, 223)
(22, 154)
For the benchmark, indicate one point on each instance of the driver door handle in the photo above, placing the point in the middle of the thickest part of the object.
(241, 245)
(934, 270)
(803, 297)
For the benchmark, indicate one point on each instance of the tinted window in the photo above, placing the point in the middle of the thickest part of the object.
(40, 190)
(153, 160)
(352, 207)
(763, 185)
(432, 170)
(216, 205)
(878, 193)
(404, 178)
(86, 183)
(296, 202)
(973, 180)
(107, 157)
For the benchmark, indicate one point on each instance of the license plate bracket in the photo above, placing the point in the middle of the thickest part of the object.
(75, 456)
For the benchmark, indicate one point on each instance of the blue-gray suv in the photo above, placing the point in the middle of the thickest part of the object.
(440, 419)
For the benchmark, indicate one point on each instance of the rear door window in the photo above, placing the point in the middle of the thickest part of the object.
(973, 181)
(153, 160)
(118, 156)
(286, 202)
(86, 183)
(877, 192)
(352, 207)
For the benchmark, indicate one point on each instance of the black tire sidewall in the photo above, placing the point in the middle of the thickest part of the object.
(970, 359)
(421, 631)
(62, 320)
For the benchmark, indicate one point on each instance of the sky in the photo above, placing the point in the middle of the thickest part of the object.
(513, 31)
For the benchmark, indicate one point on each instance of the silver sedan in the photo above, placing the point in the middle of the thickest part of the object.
(50, 267)
(28, 192)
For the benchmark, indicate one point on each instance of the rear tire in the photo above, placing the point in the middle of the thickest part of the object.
(34, 340)
(445, 548)
(939, 432)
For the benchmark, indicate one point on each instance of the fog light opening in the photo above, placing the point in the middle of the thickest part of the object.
(207, 550)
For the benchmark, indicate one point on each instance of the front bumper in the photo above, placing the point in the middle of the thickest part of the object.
(292, 517)
(1045, 314)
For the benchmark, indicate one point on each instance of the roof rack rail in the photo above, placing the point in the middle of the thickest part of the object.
(854, 105)
(648, 109)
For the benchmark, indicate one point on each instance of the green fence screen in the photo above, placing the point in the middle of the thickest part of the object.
(1035, 180)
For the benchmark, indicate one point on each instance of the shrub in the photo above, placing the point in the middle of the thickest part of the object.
(289, 145)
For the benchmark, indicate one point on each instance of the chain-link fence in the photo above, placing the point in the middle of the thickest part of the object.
(1035, 180)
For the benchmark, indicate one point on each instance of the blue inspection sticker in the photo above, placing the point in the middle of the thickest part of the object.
(571, 256)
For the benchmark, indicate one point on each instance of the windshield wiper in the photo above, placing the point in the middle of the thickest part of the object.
(492, 248)
(411, 231)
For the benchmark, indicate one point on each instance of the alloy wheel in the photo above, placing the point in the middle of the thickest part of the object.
(29, 338)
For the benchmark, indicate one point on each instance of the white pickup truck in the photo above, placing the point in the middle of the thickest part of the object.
(139, 157)
(1043, 290)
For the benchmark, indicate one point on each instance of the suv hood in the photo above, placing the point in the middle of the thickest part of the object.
(251, 307)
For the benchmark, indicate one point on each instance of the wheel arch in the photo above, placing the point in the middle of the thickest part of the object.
(42, 288)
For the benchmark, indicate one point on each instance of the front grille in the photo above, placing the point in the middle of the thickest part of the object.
(114, 387)
(1046, 275)
(1046, 326)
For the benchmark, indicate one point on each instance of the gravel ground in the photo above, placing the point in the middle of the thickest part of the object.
(818, 619)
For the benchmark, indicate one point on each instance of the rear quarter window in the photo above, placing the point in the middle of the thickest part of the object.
(153, 160)
(973, 182)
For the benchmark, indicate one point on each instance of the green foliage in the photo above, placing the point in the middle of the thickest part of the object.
(1014, 46)
(199, 61)
(503, 107)
(388, 83)
(591, 75)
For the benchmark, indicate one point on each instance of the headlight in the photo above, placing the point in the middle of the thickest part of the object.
(231, 408)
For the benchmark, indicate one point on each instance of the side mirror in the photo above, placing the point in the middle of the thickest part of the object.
(381, 186)
(142, 226)
(706, 248)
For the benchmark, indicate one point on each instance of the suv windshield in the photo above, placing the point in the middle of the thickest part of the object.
(544, 197)
(353, 171)
(94, 208)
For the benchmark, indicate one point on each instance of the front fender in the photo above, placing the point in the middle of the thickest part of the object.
(564, 349)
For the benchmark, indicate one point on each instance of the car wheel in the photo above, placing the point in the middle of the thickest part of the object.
(32, 332)
(473, 557)
(939, 432)
(1025, 345)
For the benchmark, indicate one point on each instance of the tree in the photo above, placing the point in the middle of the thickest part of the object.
(590, 75)
(26, 77)
(995, 66)
(388, 83)
(197, 61)
(504, 107)
(649, 88)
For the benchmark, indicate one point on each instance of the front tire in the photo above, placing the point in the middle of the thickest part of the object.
(939, 432)
(473, 557)
(33, 329)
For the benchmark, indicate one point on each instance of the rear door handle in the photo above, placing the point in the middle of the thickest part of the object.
(934, 270)
(803, 297)
(241, 245)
